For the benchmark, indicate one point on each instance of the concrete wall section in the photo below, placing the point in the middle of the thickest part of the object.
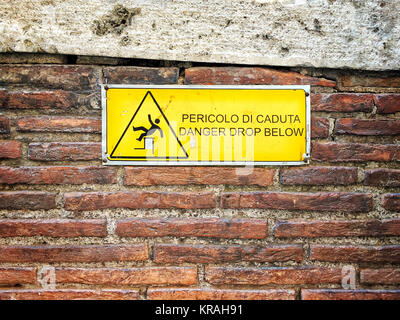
(359, 34)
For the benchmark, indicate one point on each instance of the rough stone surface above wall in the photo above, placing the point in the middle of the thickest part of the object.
(358, 34)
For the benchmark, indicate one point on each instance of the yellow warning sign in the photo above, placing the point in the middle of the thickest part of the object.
(205, 125)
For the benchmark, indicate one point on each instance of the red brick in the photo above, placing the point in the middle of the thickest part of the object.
(14, 276)
(58, 100)
(222, 294)
(27, 200)
(340, 294)
(241, 75)
(3, 96)
(59, 124)
(53, 228)
(390, 276)
(342, 102)
(125, 277)
(319, 201)
(57, 175)
(147, 176)
(319, 176)
(341, 228)
(387, 103)
(391, 201)
(141, 75)
(266, 276)
(67, 77)
(367, 127)
(78, 201)
(69, 294)
(377, 254)
(319, 127)
(355, 152)
(4, 124)
(62, 151)
(67, 253)
(382, 177)
(214, 227)
(171, 253)
(371, 81)
(10, 149)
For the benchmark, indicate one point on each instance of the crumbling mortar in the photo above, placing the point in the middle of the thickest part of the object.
(204, 213)
(201, 275)
(199, 241)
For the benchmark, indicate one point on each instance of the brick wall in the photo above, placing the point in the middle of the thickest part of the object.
(195, 232)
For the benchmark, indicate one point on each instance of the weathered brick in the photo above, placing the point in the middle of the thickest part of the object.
(141, 75)
(221, 294)
(69, 294)
(376, 254)
(341, 294)
(30, 58)
(4, 124)
(171, 253)
(27, 200)
(57, 100)
(78, 201)
(372, 81)
(367, 127)
(319, 201)
(355, 152)
(390, 276)
(243, 75)
(341, 228)
(59, 124)
(132, 276)
(266, 276)
(64, 151)
(101, 60)
(382, 177)
(319, 127)
(147, 176)
(14, 276)
(172, 227)
(342, 102)
(53, 228)
(67, 77)
(57, 175)
(10, 149)
(67, 253)
(387, 103)
(4, 96)
(319, 176)
(391, 201)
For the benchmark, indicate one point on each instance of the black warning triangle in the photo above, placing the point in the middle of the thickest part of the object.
(148, 93)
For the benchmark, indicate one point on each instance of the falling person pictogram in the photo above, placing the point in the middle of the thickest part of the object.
(149, 141)
(148, 135)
